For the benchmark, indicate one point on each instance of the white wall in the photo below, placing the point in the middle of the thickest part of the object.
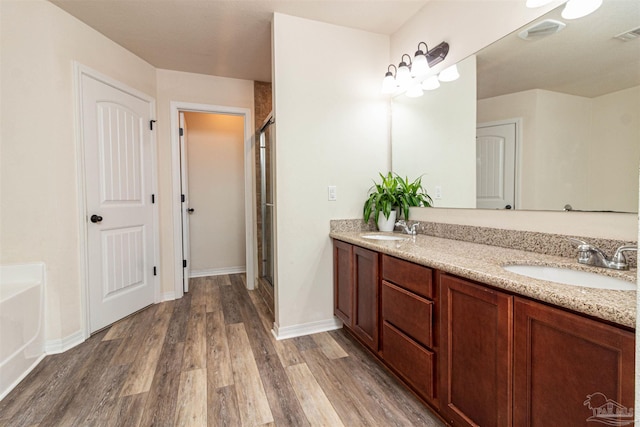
(39, 219)
(331, 129)
(215, 152)
(188, 88)
(434, 136)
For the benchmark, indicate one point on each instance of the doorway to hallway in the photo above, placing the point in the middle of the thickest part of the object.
(214, 229)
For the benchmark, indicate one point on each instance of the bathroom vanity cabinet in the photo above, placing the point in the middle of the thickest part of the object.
(498, 348)
(479, 355)
(356, 291)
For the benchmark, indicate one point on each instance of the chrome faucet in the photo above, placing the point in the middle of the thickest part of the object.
(591, 255)
(412, 231)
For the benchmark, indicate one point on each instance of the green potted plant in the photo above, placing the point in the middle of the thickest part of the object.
(382, 198)
(392, 193)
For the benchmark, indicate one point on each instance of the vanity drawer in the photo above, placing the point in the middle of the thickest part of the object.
(409, 360)
(408, 312)
(414, 277)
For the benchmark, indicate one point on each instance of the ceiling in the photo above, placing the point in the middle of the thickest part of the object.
(584, 59)
(229, 38)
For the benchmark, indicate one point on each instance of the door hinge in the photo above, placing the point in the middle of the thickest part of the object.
(151, 122)
(182, 198)
(153, 198)
(184, 263)
(181, 132)
(155, 270)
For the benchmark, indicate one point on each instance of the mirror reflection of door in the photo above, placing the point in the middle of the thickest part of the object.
(496, 166)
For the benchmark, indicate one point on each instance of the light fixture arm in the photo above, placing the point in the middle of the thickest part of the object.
(437, 54)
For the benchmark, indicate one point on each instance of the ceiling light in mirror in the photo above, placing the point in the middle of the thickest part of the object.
(537, 3)
(449, 74)
(431, 83)
(414, 91)
(575, 9)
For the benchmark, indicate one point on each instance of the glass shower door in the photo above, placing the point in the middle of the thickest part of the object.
(266, 196)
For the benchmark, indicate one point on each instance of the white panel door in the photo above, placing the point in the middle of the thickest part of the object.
(186, 210)
(118, 173)
(496, 166)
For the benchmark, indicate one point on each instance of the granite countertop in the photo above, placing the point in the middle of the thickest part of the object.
(483, 263)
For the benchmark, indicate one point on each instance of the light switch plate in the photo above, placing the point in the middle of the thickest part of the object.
(333, 195)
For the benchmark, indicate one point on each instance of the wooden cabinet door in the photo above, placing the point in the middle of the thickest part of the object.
(567, 367)
(475, 354)
(366, 285)
(343, 281)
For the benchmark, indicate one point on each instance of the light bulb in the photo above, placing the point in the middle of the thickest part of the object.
(389, 83)
(403, 76)
(575, 9)
(449, 74)
(431, 83)
(419, 65)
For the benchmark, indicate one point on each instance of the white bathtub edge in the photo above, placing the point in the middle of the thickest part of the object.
(4, 393)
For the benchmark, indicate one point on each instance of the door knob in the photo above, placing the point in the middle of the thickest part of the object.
(508, 207)
(190, 210)
(95, 218)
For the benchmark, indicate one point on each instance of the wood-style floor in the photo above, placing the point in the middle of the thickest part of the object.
(210, 359)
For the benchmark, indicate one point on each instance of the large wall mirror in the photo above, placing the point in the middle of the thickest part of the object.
(551, 120)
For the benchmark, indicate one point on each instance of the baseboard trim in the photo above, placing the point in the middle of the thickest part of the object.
(167, 296)
(283, 333)
(217, 271)
(63, 344)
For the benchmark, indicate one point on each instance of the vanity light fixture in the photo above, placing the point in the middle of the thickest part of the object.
(449, 74)
(575, 9)
(408, 70)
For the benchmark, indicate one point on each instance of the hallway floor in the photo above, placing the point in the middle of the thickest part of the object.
(210, 359)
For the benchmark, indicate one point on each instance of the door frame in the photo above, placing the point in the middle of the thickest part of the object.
(249, 186)
(83, 233)
(517, 122)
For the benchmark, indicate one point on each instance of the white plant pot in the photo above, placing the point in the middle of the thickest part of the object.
(387, 224)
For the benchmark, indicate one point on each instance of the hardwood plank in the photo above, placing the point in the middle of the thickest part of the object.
(212, 295)
(192, 399)
(161, 402)
(252, 401)
(195, 346)
(144, 366)
(219, 369)
(127, 412)
(130, 345)
(285, 407)
(105, 398)
(230, 306)
(329, 346)
(346, 396)
(223, 280)
(398, 402)
(71, 403)
(120, 329)
(304, 343)
(177, 331)
(286, 349)
(223, 407)
(315, 404)
(44, 386)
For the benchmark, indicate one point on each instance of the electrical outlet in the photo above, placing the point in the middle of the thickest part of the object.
(438, 192)
(333, 195)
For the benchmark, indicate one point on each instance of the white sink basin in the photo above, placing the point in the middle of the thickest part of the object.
(383, 237)
(571, 277)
